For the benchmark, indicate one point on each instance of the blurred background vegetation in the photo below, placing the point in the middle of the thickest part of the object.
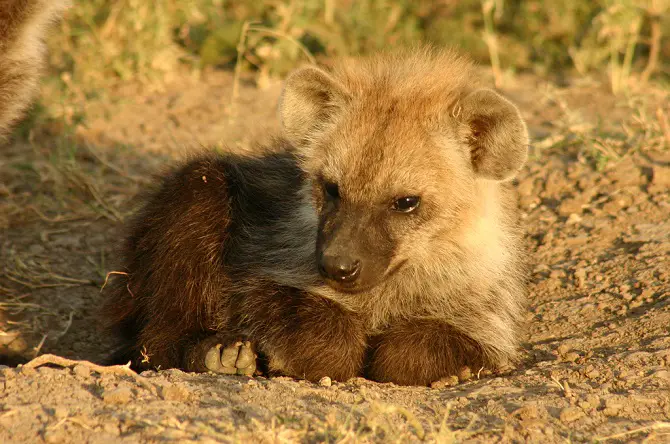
(106, 41)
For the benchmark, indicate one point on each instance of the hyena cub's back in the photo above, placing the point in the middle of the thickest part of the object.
(382, 241)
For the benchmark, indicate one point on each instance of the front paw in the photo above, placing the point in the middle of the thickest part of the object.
(223, 355)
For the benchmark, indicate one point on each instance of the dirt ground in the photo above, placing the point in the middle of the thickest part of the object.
(597, 357)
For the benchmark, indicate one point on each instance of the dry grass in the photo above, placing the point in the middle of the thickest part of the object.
(103, 42)
(640, 125)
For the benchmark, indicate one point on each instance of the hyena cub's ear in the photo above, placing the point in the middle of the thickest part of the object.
(309, 102)
(497, 134)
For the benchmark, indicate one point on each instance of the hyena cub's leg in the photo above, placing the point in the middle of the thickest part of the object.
(421, 351)
(227, 354)
(301, 335)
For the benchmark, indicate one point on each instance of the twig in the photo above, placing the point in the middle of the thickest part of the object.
(273, 33)
(67, 326)
(39, 346)
(122, 273)
(558, 383)
(57, 219)
(36, 286)
(121, 370)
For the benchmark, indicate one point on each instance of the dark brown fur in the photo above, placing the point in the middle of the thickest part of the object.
(232, 248)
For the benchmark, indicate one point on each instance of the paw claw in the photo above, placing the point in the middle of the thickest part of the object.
(229, 356)
(246, 357)
(212, 358)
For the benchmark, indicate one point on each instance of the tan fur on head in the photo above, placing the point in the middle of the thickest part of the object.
(433, 88)
(23, 27)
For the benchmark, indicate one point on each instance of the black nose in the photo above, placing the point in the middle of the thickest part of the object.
(340, 268)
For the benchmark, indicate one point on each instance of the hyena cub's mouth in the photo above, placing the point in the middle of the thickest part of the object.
(349, 276)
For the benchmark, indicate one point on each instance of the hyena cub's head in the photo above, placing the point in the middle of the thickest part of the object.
(395, 146)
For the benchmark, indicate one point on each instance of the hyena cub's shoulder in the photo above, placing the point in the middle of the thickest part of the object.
(23, 27)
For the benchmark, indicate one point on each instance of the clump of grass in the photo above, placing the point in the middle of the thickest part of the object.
(103, 41)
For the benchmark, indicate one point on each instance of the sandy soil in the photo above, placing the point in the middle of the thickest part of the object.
(597, 358)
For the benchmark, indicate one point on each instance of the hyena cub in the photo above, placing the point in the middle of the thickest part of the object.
(23, 26)
(376, 237)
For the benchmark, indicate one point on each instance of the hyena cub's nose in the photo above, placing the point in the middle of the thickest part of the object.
(340, 268)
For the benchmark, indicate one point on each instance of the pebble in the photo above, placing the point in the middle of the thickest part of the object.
(445, 382)
(174, 393)
(325, 381)
(571, 206)
(591, 372)
(591, 401)
(563, 349)
(465, 374)
(571, 357)
(531, 411)
(120, 395)
(661, 176)
(570, 414)
(613, 403)
(580, 276)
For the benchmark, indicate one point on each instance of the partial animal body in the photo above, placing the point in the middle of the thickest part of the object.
(23, 26)
(377, 236)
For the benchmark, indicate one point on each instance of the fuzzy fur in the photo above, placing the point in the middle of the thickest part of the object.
(23, 27)
(229, 246)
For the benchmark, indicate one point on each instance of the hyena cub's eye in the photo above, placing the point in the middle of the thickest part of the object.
(406, 204)
(332, 190)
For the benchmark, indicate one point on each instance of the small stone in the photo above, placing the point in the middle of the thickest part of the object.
(570, 414)
(571, 357)
(661, 176)
(465, 374)
(614, 404)
(580, 276)
(174, 393)
(591, 372)
(563, 349)
(571, 207)
(112, 428)
(557, 274)
(531, 411)
(325, 381)
(120, 395)
(82, 371)
(449, 381)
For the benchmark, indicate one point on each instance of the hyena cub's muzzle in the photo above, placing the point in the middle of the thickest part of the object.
(354, 250)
